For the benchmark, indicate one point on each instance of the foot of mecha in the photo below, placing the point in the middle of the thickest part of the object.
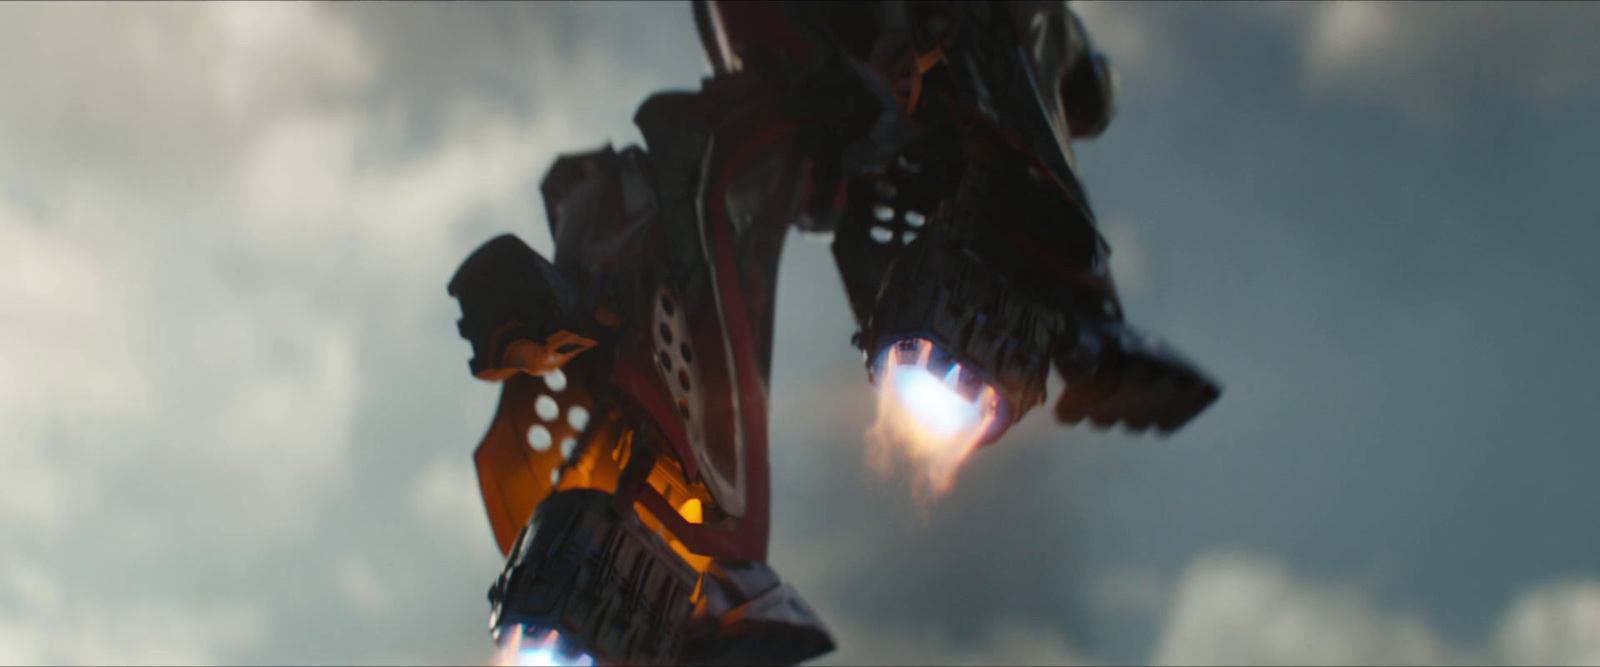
(746, 615)
(611, 589)
(1115, 374)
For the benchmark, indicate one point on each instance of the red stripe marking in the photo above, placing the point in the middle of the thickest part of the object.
(634, 381)
(749, 540)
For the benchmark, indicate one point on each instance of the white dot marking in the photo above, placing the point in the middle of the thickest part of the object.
(555, 380)
(578, 417)
(539, 438)
(546, 407)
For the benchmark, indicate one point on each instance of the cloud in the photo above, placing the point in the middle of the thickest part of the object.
(138, 634)
(1130, 266)
(1139, 44)
(153, 395)
(31, 587)
(361, 588)
(52, 302)
(1349, 36)
(1435, 62)
(35, 494)
(1555, 624)
(43, 277)
(1128, 591)
(224, 237)
(1238, 608)
(446, 499)
(42, 624)
(224, 234)
(287, 421)
(276, 54)
(1001, 642)
(129, 97)
(307, 194)
(1116, 31)
(214, 328)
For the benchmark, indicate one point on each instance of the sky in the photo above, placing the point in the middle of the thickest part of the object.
(236, 420)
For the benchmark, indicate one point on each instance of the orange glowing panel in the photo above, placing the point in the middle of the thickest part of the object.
(691, 511)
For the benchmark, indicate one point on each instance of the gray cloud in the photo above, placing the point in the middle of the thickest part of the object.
(1398, 54)
(1241, 609)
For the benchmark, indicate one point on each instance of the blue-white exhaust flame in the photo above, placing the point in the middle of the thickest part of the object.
(539, 647)
(932, 413)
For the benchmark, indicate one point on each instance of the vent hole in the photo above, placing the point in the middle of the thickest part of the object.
(915, 219)
(686, 354)
(546, 407)
(568, 446)
(539, 438)
(882, 234)
(883, 213)
(578, 417)
(666, 333)
(666, 361)
(555, 380)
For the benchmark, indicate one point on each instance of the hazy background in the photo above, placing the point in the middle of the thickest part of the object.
(236, 421)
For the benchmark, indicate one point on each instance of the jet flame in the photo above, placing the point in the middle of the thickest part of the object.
(537, 649)
(925, 420)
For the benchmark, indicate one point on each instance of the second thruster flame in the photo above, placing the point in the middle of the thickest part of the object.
(543, 648)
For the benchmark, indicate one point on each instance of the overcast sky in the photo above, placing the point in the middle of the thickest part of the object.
(236, 420)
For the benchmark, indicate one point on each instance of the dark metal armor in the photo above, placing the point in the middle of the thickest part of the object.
(626, 472)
